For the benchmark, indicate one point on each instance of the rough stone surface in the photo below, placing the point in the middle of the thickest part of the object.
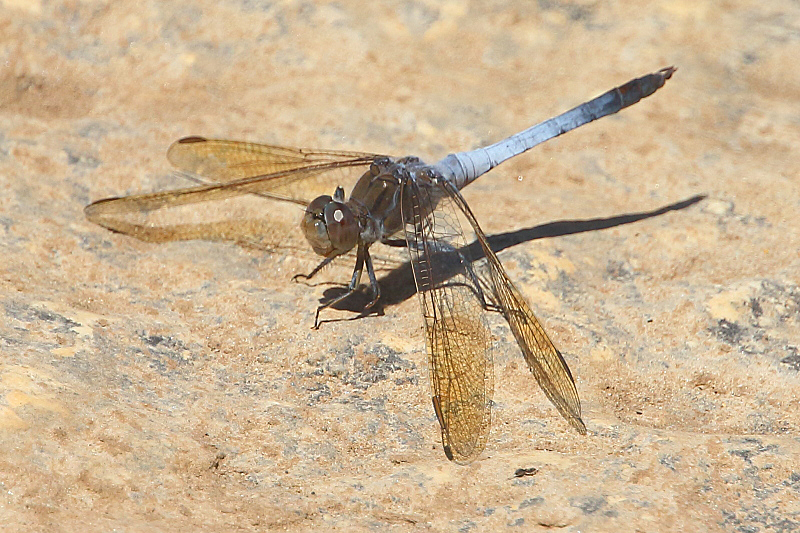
(179, 387)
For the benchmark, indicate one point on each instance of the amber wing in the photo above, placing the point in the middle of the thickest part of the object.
(544, 360)
(458, 339)
(228, 169)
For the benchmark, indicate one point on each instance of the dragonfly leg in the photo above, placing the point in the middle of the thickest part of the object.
(354, 281)
(325, 262)
(373, 281)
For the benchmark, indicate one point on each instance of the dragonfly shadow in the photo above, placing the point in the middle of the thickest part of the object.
(398, 285)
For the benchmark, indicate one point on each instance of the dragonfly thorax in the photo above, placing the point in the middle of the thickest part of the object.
(330, 226)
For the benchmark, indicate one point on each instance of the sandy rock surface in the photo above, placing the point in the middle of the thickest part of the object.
(180, 387)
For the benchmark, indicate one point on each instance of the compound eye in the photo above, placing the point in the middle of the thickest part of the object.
(320, 232)
(314, 227)
(317, 206)
(342, 227)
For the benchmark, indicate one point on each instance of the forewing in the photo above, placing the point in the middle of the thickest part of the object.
(543, 358)
(277, 171)
(241, 183)
(458, 339)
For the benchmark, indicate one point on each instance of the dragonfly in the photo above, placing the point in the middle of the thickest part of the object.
(395, 201)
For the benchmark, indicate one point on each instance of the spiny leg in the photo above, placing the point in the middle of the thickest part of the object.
(325, 262)
(354, 281)
(373, 281)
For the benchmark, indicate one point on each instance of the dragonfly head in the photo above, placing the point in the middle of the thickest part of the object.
(330, 226)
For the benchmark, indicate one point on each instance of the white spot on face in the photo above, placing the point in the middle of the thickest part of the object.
(338, 215)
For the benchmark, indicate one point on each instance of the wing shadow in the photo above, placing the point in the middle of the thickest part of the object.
(398, 285)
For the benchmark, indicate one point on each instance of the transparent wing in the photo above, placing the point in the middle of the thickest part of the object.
(279, 171)
(458, 339)
(543, 358)
(236, 177)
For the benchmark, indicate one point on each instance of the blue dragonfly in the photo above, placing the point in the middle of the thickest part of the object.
(395, 201)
